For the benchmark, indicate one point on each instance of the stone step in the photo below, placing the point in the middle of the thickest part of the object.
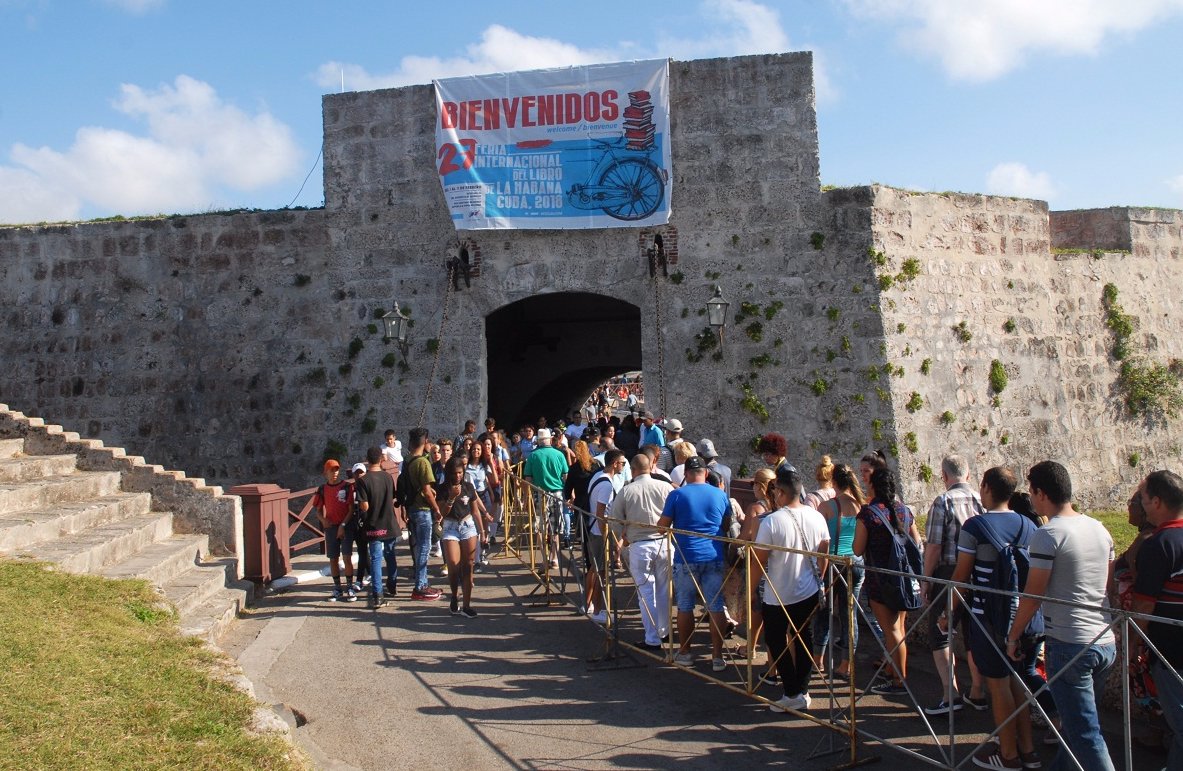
(161, 562)
(210, 620)
(29, 468)
(10, 448)
(51, 491)
(189, 590)
(22, 528)
(88, 551)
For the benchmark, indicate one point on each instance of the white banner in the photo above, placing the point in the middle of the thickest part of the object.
(577, 147)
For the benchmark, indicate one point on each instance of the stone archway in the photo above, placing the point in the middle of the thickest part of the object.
(546, 353)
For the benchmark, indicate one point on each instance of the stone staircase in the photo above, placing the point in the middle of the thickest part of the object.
(89, 521)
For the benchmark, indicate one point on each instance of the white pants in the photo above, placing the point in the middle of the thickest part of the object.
(649, 564)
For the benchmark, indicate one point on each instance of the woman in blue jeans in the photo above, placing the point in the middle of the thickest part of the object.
(841, 513)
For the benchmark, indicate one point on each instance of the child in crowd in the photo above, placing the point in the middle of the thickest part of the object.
(333, 502)
(392, 453)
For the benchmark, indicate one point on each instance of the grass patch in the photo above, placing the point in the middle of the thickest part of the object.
(1115, 521)
(95, 674)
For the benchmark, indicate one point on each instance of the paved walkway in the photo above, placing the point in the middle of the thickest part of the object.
(411, 685)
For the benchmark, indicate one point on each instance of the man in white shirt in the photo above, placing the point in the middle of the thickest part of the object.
(637, 508)
(793, 587)
(602, 489)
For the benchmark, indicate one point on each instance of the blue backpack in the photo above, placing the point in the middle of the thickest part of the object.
(1009, 574)
(899, 592)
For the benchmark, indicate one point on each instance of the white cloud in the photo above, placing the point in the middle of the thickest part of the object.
(979, 40)
(1018, 180)
(1176, 184)
(738, 27)
(196, 148)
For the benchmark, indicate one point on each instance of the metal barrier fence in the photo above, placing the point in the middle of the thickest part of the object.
(532, 530)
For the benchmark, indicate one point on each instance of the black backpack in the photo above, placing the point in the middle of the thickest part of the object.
(1009, 574)
(900, 592)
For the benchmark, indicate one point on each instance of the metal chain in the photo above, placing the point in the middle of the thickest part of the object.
(660, 346)
(439, 346)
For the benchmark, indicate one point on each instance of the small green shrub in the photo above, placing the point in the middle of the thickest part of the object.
(845, 344)
(886, 281)
(878, 259)
(833, 314)
(355, 346)
(961, 331)
(1134, 459)
(998, 378)
(354, 401)
(915, 402)
(926, 366)
(1009, 327)
(344, 369)
(389, 360)
(755, 331)
(910, 442)
(1004, 440)
(947, 418)
(685, 312)
(909, 270)
(379, 382)
(772, 309)
(819, 386)
(677, 277)
(877, 430)
(368, 425)
(817, 240)
(372, 329)
(926, 474)
(752, 403)
(302, 280)
(901, 328)
(856, 289)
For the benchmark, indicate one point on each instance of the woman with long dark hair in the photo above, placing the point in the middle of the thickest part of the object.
(462, 531)
(878, 521)
(841, 513)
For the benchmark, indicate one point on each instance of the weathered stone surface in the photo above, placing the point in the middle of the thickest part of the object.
(221, 343)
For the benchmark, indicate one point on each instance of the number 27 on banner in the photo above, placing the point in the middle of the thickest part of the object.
(450, 153)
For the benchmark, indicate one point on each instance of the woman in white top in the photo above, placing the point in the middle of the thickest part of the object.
(825, 481)
(682, 451)
(793, 588)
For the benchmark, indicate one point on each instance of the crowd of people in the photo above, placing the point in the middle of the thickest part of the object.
(616, 485)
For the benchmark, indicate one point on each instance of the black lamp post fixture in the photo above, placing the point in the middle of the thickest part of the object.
(396, 325)
(717, 313)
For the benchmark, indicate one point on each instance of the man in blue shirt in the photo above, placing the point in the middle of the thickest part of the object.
(698, 561)
(650, 433)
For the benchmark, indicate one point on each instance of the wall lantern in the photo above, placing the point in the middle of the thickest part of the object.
(396, 325)
(717, 313)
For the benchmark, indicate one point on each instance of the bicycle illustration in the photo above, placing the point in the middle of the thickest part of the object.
(625, 183)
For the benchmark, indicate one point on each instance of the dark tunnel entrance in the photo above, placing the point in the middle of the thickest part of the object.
(546, 353)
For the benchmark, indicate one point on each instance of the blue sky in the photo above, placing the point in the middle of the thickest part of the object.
(161, 106)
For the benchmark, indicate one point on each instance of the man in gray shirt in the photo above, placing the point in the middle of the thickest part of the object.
(637, 508)
(1071, 558)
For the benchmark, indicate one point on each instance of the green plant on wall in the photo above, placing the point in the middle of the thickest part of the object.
(819, 386)
(915, 402)
(1149, 389)
(677, 277)
(877, 430)
(926, 366)
(755, 331)
(833, 314)
(817, 240)
(751, 403)
(926, 474)
(910, 442)
(998, 377)
(1009, 326)
(947, 418)
(961, 331)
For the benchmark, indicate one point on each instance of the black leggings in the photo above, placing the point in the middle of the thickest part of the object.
(794, 669)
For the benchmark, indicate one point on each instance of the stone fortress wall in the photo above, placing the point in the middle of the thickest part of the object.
(241, 346)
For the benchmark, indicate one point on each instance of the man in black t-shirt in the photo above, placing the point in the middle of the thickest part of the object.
(375, 494)
(1158, 590)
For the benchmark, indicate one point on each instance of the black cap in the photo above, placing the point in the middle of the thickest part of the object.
(694, 463)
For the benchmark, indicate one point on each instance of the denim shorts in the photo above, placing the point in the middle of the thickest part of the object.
(334, 546)
(458, 529)
(709, 578)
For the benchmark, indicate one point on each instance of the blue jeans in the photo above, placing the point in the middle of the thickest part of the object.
(1170, 697)
(382, 549)
(419, 522)
(845, 640)
(1076, 692)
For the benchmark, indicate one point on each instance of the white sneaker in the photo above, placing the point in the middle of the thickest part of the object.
(786, 703)
(436, 551)
(600, 617)
(685, 659)
(718, 665)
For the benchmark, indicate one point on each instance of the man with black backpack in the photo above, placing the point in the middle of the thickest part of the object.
(993, 547)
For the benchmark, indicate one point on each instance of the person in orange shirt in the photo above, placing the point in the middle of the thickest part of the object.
(333, 502)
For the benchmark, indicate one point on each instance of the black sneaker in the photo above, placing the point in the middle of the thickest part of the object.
(454, 606)
(888, 688)
(468, 612)
(980, 704)
(944, 707)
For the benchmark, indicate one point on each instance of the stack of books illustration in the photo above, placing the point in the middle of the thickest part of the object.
(638, 121)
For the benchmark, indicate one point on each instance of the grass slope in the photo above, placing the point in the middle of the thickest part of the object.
(95, 674)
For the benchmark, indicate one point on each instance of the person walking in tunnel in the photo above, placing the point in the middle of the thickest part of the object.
(546, 468)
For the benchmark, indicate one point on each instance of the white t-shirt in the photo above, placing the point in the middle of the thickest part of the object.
(791, 576)
(678, 475)
(602, 493)
(393, 454)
